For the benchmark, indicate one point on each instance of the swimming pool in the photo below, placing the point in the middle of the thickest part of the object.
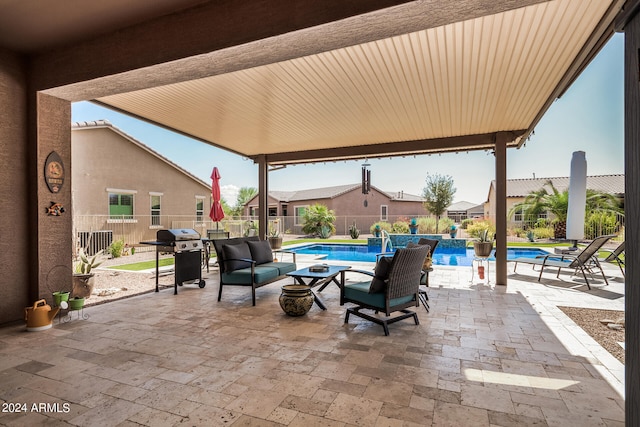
(364, 253)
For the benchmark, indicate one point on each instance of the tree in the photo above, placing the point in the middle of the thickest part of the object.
(438, 194)
(318, 220)
(244, 195)
(550, 199)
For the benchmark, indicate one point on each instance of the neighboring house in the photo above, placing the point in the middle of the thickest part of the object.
(518, 189)
(121, 188)
(347, 202)
(460, 211)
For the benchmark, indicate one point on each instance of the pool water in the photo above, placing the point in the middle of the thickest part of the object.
(364, 253)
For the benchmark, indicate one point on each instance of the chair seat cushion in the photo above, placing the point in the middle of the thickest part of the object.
(260, 251)
(235, 252)
(359, 292)
(243, 276)
(283, 267)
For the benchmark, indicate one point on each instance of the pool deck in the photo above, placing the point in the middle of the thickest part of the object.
(485, 355)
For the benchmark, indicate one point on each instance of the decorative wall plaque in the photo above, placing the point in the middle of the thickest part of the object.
(54, 172)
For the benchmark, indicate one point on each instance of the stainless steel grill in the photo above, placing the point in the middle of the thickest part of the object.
(186, 246)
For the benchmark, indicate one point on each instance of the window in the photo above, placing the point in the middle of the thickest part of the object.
(199, 209)
(120, 206)
(155, 209)
(273, 211)
(384, 212)
(299, 213)
(517, 216)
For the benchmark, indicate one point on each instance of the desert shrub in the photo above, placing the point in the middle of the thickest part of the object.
(465, 223)
(115, 248)
(477, 228)
(600, 223)
(516, 231)
(543, 232)
(444, 226)
(383, 226)
(354, 232)
(426, 225)
(400, 227)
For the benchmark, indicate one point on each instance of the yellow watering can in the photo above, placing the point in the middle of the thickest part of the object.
(40, 316)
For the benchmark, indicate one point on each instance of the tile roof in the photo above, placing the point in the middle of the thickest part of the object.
(462, 206)
(613, 184)
(331, 192)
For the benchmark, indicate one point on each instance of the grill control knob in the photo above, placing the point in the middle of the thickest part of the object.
(195, 244)
(183, 246)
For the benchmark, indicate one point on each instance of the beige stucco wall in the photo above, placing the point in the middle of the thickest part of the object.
(103, 159)
(14, 190)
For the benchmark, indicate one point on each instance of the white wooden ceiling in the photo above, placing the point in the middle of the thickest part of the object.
(475, 77)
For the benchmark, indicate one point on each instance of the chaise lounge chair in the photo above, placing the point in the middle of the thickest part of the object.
(585, 260)
(615, 257)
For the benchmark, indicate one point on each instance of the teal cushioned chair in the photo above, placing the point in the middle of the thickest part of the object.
(401, 290)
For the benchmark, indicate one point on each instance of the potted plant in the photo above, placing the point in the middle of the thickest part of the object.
(453, 231)
(376, 230)
(413, 226)
(275, 240)
(483, 245)
(83, 278)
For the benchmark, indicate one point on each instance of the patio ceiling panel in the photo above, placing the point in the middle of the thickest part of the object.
(440, 89)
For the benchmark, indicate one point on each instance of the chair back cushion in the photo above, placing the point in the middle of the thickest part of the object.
(260, 251)
(219, 243)
(381, 275)
(232, 253)
(406, 269)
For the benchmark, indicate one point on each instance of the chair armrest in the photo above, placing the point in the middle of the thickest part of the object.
(365, 272)
(286, 251)
(240, 259)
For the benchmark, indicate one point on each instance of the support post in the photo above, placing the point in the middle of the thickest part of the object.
(629, 22)
(501, 207)
(263, 196)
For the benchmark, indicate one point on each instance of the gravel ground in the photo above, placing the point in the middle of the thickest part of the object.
(112, 285)
(589, 320)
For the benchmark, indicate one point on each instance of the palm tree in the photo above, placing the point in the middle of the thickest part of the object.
(318, 220)
(557, 203)
(244, 195)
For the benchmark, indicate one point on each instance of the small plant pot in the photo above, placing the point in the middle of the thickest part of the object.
(413, 229)
(58, 297)
(76, 303)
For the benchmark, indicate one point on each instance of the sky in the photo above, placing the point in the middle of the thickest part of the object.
(589, 117)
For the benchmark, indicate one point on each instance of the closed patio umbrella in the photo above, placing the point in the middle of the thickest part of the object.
(577, 197)
(217, 213)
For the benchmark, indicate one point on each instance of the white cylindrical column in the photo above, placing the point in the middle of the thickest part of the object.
(577, 196)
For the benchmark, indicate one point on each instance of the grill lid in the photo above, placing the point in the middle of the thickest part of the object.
(177, 234)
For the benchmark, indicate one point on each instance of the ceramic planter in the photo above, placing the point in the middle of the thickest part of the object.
(83, 285)
(483, 249)
(275, 243)
(296, 300)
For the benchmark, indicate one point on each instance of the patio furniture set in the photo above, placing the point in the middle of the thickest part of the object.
(393, 287)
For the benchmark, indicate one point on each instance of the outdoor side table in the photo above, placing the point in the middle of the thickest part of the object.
(478, 262)
(321, 278)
